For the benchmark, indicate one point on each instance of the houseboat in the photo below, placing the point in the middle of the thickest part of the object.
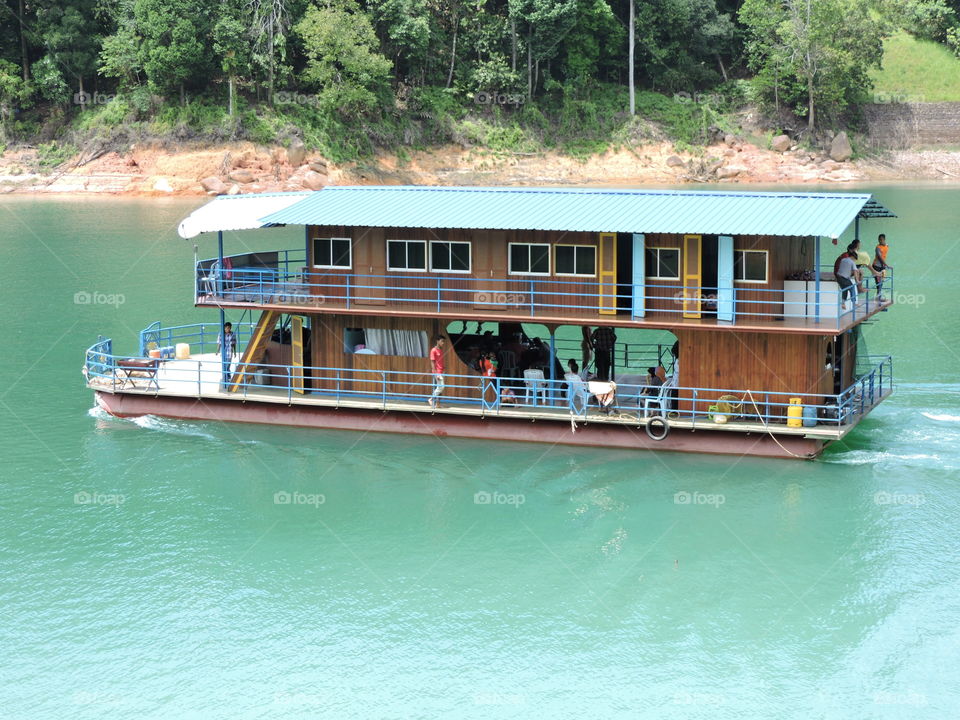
(697, 321)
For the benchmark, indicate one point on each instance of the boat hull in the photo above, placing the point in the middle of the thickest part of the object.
(451, 425)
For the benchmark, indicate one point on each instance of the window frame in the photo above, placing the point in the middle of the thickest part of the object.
(469, 245)
(766, 266)
(556, 264)
(313, 249)
(426, 259)
(657, 250)
(528, 245)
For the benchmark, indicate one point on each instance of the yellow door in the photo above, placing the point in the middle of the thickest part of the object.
(296, 339)
(607, 266)
(691, 276)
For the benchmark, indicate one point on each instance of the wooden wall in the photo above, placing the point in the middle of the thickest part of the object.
(328, 352)
(781, 364)
(554, 294)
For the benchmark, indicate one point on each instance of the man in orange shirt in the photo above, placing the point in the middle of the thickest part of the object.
(436, 361)
(880, 264)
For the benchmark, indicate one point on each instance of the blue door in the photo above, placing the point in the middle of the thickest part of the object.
(725, 310)
(639, 276)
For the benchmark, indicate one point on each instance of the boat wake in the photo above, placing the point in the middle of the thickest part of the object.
(941, 417)
(174, 427)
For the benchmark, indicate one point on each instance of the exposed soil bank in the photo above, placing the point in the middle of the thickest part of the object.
(245, 168)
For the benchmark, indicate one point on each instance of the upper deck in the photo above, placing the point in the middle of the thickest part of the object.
(622, 258)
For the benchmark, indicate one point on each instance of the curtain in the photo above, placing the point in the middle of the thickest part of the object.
(402, 343)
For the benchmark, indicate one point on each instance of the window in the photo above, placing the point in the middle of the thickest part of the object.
(663, 263)
(527, 259)
(410, 255)
(750, 266)
(332, 253)
(576, 260)
(449, 256)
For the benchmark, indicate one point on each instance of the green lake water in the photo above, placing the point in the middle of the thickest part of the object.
(827, 589)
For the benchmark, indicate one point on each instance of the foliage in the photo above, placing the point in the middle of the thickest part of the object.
(813, 55)
(342, 58)
(52, 154)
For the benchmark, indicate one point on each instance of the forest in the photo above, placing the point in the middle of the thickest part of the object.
(351, 76)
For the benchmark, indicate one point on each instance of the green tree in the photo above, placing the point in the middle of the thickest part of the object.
(71, 34)
(230, 43)
(343, 62)
(14, 91)
(173, 47)
(823, 50)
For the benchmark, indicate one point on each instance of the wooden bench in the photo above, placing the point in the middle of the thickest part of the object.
(129, 371)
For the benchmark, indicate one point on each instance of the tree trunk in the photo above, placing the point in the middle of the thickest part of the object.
(183, 96)
(630, 71)
(453, 51)
(230, 108)
(529, 63)
(810, 103)
(83, 104)
(24, 57)
(723, 70)
(513, 44)
(270, 70)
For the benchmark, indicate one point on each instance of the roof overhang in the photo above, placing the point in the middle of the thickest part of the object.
(236, 212)
(786, 214)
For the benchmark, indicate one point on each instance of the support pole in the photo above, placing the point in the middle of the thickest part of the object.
(553, 363)
(816, 278)
(224, 345)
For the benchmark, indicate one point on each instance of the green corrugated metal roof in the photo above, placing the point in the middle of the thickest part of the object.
(581, 209)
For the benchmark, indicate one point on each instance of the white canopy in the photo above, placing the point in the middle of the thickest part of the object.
(236, 212)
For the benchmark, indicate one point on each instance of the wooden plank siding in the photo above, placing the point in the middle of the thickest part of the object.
(328, 352)
(781, 364)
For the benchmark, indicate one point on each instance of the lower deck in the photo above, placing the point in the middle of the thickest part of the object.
(200, 378)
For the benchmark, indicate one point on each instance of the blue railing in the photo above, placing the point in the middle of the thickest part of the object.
(202, 337)
(290, 283)
(496, 395)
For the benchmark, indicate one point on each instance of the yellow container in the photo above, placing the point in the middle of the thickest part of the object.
(183, 351)
(795, 413)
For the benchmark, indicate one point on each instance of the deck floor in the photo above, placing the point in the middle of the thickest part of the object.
(198, 377)
(556, 316)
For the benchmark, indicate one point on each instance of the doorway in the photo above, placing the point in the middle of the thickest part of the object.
(624, 273)
(709, 276)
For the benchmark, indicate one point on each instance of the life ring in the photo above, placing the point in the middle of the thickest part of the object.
(657, 428)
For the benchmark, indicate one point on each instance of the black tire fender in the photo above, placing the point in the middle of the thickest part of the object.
(657, 428)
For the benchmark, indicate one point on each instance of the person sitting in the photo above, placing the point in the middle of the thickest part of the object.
(653, 383)
(573, 367)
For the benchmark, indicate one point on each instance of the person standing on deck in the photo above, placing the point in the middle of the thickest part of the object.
(586, 347)
(880, 264)
(604, 339)
(436, 360)
(846, 276)
(227, 339)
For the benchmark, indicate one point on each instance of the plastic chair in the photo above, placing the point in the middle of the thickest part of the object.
(535, 385)
(577, 395)
(659, 401)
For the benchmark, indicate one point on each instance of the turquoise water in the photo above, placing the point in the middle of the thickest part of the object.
(146, 570)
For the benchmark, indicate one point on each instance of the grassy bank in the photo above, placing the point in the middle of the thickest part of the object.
(425, 117)
(916, 70)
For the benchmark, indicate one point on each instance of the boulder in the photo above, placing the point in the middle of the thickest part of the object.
(830, 165)
(213, 185)
(314, 181)
(729, 171)
(162, 185)
(234, 190)
(241, 176)
(840, 148)
(781, 143)
(674, 161)
(319, 166)
(296, 153)
(730, 140)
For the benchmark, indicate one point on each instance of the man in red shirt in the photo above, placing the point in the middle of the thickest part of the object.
(436, 360)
